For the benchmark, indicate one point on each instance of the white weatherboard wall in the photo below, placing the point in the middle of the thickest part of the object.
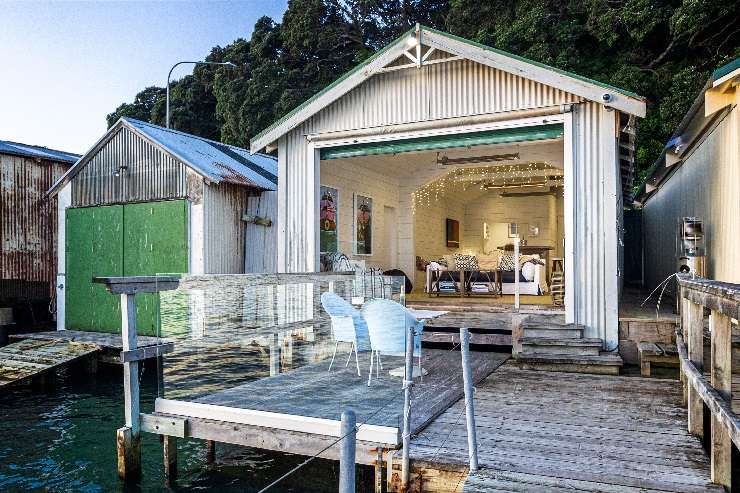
(492, 208)
(705, 186)
(382, 188)
(450, 90)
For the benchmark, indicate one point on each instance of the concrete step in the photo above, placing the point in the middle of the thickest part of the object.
(561, 346)
(604, 363)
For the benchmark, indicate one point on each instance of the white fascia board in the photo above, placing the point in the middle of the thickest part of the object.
(330, 96)
(725, 78)
(433, 132)
(542, 75)
(305, 424)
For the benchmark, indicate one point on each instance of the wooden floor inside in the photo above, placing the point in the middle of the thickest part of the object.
(557, 432)
(505, 301)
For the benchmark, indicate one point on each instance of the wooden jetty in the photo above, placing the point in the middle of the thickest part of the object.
(33, 356)
(536, 430)
(33, 359)
(543, 431)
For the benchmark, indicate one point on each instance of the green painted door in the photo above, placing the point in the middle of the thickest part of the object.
(132, 240)
(155, 241)
(94, 247)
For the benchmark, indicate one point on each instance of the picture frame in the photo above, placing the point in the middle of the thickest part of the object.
(363, 224)
(513, 230)
(328, 219)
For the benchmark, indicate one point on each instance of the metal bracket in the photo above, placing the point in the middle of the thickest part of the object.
(147, 352)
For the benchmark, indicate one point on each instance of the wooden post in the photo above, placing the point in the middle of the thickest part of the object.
(721, 374)
(378, 477)
(170, 458)
(274, 356)
(210, 452)
(129, 439)
(695, 342)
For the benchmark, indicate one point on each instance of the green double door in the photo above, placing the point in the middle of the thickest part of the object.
(120, 240)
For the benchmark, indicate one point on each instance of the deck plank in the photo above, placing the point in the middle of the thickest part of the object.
(23, 360)
(546, 431)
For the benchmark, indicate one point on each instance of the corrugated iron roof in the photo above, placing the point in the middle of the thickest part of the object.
(216, 161)
(26, 150)
(213, 160)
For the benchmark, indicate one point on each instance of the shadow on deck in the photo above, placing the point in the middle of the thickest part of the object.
(542, 431)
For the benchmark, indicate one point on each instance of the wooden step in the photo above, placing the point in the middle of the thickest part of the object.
(561, 346)
(604, 363)
(553, 332)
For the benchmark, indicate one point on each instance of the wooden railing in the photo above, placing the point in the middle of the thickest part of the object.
(723, 302)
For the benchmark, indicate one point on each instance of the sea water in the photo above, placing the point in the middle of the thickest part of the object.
(64, 440)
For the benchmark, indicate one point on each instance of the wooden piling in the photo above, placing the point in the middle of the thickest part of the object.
(128, 448)
(131, 454)
(210, 452)
(169, 446)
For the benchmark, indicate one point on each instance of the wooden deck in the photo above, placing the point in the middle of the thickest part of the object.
(311, 391)
(542, 431)
(107, 346)
(25, 360)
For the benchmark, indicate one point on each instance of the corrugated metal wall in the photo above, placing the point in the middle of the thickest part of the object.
(446, 90)
(261, 256)
(224, 234)
(151, 174)
(27, 226)
(705, 186)
(596, 202)
(456, 89)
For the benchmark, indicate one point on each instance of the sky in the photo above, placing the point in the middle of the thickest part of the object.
(65, 65)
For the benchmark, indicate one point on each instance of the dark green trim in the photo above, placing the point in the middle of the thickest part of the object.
(503, 136)
(726, 69)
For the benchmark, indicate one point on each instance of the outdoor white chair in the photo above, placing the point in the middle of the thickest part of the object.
(387, 324)
(347, 325)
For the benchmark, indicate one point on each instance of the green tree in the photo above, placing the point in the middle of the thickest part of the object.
(141, 108)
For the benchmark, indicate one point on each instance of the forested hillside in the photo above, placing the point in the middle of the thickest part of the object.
(663, 50)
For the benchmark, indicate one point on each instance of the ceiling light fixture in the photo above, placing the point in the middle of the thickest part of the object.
(445, 160)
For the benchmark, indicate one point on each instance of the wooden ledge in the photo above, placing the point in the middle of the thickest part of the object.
(138, 284)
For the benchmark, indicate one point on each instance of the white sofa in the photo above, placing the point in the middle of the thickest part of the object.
(537, 285)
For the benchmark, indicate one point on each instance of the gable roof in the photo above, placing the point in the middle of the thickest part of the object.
(213, 160)
(589, 89)
(27, 150)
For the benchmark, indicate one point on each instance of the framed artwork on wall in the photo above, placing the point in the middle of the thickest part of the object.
(513, 230)
(329, 220)
(453, 233)
(363, 225)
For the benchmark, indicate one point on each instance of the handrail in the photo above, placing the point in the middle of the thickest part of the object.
(723, 301)
(714, 401)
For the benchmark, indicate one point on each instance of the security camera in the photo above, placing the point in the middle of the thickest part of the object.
(606, 97)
